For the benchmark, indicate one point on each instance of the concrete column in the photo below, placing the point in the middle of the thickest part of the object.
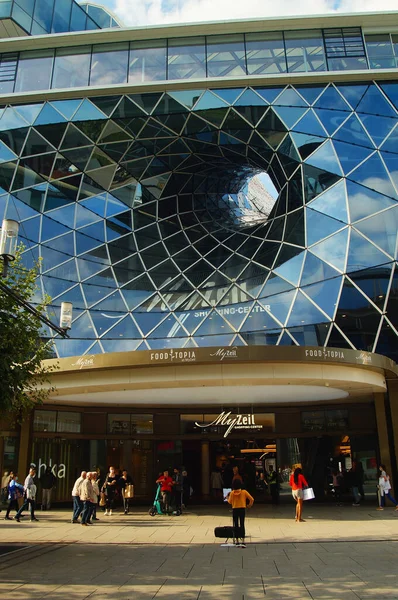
(393, 398)
(24, 445)
(205, 452)
(382, 431)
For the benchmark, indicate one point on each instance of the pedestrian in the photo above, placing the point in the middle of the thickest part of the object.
(236, 476)
(94, 482)
(187, 489)
(338, 481)
(48, 481)
(239, 500)
(87, 497)
(123, 482)
(109, 487)
(354, 479)
(177, 490)
(30, 496)
(14, 491)
(77, 503)
(385, 489)
(166, 485)
(273, 485)
(216, 484)
(297, 482)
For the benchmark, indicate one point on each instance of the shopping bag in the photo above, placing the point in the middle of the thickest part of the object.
(308, 494)
(129, 491)
(102, 501)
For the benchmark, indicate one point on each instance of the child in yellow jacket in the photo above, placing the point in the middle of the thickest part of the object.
(239, 500)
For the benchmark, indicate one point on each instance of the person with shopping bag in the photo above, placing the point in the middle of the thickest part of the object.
(384, 489)
(298, 482)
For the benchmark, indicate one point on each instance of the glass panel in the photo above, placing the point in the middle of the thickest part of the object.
(43, 13)
(187, 423)
(380, 51)
(147, 61)
(5, 9)
(34, 70)
(265, 53)
(10, 454)
(27, 5)
(186, 58)
(71, 67)
(78, 19)
(347, 64)
(394, 39)
(45, 420)
(119, 424)
(21, 17)
(336, 419)
(225, 56)
(109, 64)
(69, 422)
(304, 51)
(141, 424)
(61, 16)
(313, 421)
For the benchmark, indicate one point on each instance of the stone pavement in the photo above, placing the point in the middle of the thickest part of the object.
(346, 553)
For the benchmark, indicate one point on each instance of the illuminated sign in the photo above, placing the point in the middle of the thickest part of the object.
(239, 421)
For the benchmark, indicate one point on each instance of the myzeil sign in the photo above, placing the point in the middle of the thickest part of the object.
(230, 421)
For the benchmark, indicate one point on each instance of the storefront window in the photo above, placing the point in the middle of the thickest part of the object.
(119, 424)
(130, 424)
(45, 420)
(10, 454)
(147, 61)
(141, 424)
(321, 420)
(69, 422)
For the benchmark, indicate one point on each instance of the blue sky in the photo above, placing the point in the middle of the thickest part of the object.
(153, 12)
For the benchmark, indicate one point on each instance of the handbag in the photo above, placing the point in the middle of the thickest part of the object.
(102, 501)
(129, 491)
(308, 494)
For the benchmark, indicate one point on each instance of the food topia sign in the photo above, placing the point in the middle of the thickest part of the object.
(230, 421)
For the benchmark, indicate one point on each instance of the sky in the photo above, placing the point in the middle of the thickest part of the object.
(156, 12)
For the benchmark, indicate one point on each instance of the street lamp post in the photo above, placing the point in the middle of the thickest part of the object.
(8, 246)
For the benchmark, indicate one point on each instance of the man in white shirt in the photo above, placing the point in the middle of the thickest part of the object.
(77, 503)
(30, 496)
(87, 497)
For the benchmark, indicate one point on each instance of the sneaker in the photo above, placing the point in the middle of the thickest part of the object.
(17, 519)
(95, 519)
(381, 508)
(106, 513)
(84, 524)
(7, 518)
(34, 519)
(396, 508)
(356, 504)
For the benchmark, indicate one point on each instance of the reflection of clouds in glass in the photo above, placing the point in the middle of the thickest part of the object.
(378, 184)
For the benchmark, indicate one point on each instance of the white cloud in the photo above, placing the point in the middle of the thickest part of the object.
(156, 12)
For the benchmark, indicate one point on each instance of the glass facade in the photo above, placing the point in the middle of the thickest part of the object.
(214, 56)
(39, 17)
(140, 209)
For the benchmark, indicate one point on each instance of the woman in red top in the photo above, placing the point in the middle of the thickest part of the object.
(297, 482)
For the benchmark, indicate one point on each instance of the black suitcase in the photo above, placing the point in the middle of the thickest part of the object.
(227, 532)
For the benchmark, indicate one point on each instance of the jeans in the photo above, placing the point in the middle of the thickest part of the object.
(12, 504)
(46, 499)
(356, 494)
(238, 519)
(77, 507)
(31, 504)
(86, 511)
(383, 499)
(126, 504)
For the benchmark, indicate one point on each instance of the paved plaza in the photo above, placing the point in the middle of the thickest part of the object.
(344, 552)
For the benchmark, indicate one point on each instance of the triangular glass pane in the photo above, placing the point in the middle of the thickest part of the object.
(274, 285)
(289, 115)
(207, 341)
(310, 335)
(325, 158)
(291, 270)
(373, 102)
(148, 321)
(378, 127)
(350, 156)
(51, 229)
(126, 328)
(316, 270)
(146, 101)
(169, 328)
(214, 324)
(333, 250)
(187, 97)
(374, 284)
(382, 229)
(310, 125)
(279, 305)
(229, 95)
(391, 161)
(94, 293)
(319, 226)
(387, 340)
(311, 92)
(306, 144)
(10, 119)
(391, 143)
(362, 254)
(304, 312)
(391, 90)
(250, 98)
(316, 181)
(364, 202)
(29, 111)
(330, 119)
(113, 303)
(48, 115)
(209, 101)
(352, 132)
(331, 99)
(88, 112)
(269, 94)
(286, 340)
(67, 108)
(259, 319)
(325, 294)
(352, 93)
(5, 153)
